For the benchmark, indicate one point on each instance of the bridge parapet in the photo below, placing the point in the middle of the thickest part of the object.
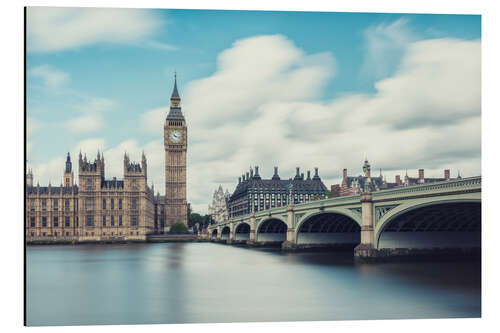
(447, 186)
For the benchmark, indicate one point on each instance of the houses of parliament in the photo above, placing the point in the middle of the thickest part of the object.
(94, 208)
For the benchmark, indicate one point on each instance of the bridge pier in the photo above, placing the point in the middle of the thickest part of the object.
(251, 240)
(219, 232)
(366, 249)
(289, 244)
(231, 233)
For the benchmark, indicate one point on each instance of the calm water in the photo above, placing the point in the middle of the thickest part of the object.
(205, 282)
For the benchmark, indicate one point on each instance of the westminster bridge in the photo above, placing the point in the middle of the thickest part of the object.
(401, 221)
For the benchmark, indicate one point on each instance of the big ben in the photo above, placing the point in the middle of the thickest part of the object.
(175, 140)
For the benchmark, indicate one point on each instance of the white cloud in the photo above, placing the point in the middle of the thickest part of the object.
(87, 123)
(52, 78)
(54, 28)
(254, 71)
(152, 121)
(91, 119)
(385, 44)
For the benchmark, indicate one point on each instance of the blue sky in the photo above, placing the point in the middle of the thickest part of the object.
(259, 88)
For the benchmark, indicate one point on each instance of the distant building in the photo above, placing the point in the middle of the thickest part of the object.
(255, 194)
(218, 210)
(96, 208)
(352, 185)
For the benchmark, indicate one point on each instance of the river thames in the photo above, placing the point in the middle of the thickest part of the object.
(208, 282)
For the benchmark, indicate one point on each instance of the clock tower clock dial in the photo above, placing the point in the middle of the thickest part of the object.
(175, 141)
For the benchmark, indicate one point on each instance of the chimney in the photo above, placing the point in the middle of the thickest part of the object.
(308, 175)
(247, 176)
(276, 176)
(256, 170)
(302, 176)
(421, 175)
(316, 175)
(398, 180)
(447, 174)
(251, 173)
(344, 173)
(239, 180)
(297, 174)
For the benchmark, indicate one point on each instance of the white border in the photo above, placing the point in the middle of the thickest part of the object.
(12, 162)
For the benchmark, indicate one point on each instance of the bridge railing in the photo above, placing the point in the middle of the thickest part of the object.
(444, 186)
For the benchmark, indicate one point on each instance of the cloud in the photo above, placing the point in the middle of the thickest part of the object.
(51, 77)
(385, 45)
(91, 119)
(161, 46)
(51, 29)
(88, 123)
(152, 121)
(426, 115)
(254, 71)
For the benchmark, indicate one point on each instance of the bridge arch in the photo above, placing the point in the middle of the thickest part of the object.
(224, 234)
(242, 231)
(431, 223)
(329, 227)
(271, 229)
(214, 234)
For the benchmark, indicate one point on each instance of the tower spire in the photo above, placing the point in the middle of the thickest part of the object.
(175, 112)
(175, 93)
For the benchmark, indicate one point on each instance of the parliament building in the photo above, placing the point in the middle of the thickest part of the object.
(98, 209)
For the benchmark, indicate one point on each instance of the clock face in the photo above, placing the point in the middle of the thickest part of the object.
(175, 136)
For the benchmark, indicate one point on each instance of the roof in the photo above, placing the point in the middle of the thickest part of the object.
(377, 183)
(175, 113)
(112, 183)
(51, 190)
(308, 185)
(175, 93)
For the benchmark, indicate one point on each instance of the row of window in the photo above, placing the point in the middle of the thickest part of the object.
(89, 221)
(67, 233)
(89, 204)
(89, 186)
(55, 204)
(55, 221)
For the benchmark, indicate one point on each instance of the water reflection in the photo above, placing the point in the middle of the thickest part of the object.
(205, 282)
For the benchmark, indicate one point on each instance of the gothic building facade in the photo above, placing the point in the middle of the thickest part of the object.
(94, 208)
(218, 210)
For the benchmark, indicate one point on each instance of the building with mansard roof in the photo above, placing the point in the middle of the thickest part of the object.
(255, 194)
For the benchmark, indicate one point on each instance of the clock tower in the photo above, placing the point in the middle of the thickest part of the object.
(175, 140)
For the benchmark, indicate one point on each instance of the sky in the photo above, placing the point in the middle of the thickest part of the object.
(286, 89)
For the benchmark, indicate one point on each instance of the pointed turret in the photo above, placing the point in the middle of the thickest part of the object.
(175, 112)
(68, 172)
(68, 164)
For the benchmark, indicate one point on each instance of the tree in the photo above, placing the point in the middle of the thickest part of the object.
(178, 228)
(195, 218)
